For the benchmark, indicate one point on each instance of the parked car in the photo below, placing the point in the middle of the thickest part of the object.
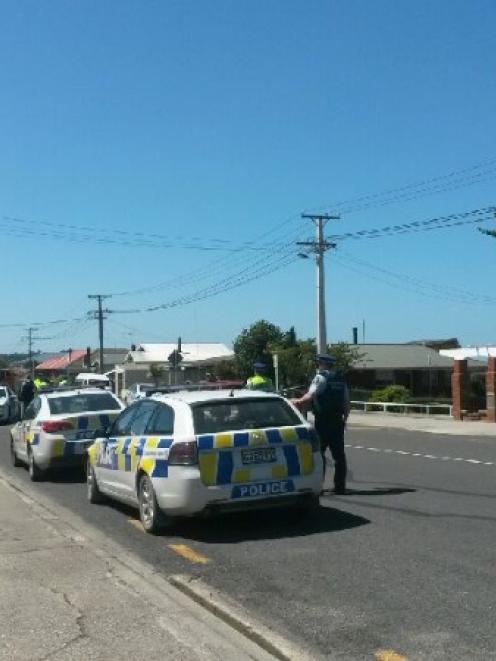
(9, 405)
(188, 453)
(91, 379)
(57, 427)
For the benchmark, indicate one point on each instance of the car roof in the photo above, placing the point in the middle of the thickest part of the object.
(200, 396)
(74, 391)
(92, 375)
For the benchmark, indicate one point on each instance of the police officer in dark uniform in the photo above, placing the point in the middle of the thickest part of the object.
(331, 406)
(27, 393)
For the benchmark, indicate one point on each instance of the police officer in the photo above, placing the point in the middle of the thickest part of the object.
(330, 400)
(260, 381)
(26, 395)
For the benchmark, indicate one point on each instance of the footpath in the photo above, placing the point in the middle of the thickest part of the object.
(435, 424)
(65, 596)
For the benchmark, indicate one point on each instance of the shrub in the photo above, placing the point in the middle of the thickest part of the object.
(391, 394)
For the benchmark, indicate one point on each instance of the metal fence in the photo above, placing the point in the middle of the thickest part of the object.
(396, 407)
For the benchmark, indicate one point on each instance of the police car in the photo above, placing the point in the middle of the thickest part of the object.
(57, 427)
(189, 453)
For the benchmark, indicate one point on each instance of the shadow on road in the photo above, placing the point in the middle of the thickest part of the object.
(270, 524)
(386, 491)
(67, 476)
(404, 488)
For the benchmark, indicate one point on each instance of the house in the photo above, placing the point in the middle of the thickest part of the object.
(73, 361)
(197, 360)
(418, 367)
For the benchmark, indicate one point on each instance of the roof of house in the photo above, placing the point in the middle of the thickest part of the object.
(61, 361)
(402, 356)
(470, 352)
(112, 356)
(191, 352)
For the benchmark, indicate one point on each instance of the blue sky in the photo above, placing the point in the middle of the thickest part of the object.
(223, 121)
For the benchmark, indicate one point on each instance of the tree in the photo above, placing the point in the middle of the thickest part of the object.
(296, 363)
(255, 343)
(225, 370)
(156, 372)
(346, 355)
(488, 232)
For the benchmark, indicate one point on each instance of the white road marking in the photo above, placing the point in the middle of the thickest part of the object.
(419, 454)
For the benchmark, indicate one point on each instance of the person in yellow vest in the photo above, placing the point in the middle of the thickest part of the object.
(40, 383)
(260, 381)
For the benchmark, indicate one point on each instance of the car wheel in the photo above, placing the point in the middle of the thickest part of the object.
(152, 517)
(35, 473)
(13, 456)
(94, 494)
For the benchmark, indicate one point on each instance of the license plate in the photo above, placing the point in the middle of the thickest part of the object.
(263, 489)
(258, 455)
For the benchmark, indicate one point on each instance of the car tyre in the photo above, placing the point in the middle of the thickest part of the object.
(35, 473)
(152, 517)
(94, 494)
(13, 455)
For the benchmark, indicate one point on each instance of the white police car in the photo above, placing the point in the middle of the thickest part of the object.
(9, 404)
(189, 453)
(57, 427)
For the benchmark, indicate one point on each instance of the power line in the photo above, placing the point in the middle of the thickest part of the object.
(409, 283)
(440, 222)
(352, 205)
(454, 180)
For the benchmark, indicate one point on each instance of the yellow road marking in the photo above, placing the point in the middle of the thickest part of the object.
(389, 655)
(137, 524)
(189, 554)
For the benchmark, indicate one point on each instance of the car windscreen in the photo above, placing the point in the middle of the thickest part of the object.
(83, 402)
(231, 415)
(3, 392)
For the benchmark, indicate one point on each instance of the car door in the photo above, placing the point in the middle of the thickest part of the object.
(26, 434)
(129, 447)
(14, 406)
(107, 464)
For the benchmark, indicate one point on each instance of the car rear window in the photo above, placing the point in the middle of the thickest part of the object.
(83, 402)
(215, 417)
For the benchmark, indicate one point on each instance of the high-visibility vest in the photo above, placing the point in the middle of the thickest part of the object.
(259, 382)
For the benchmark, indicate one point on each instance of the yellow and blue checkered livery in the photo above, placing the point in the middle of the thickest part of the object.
(220, 455)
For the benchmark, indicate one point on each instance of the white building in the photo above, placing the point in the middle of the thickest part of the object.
(198, 360)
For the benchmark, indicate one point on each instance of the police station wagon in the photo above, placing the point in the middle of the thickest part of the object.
(191, 453)
(55, 428)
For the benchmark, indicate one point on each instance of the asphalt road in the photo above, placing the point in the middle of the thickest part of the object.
(405, 562)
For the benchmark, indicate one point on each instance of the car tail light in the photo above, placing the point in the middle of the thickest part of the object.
(183, 453)
(54, 426)
(314, 440)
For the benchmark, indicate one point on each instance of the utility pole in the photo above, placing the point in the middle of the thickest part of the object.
(30, 338)
(98, 314)
(319, 248)
(30, 350)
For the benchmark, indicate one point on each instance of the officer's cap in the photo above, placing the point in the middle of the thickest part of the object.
(258, 365)
(325, 359)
